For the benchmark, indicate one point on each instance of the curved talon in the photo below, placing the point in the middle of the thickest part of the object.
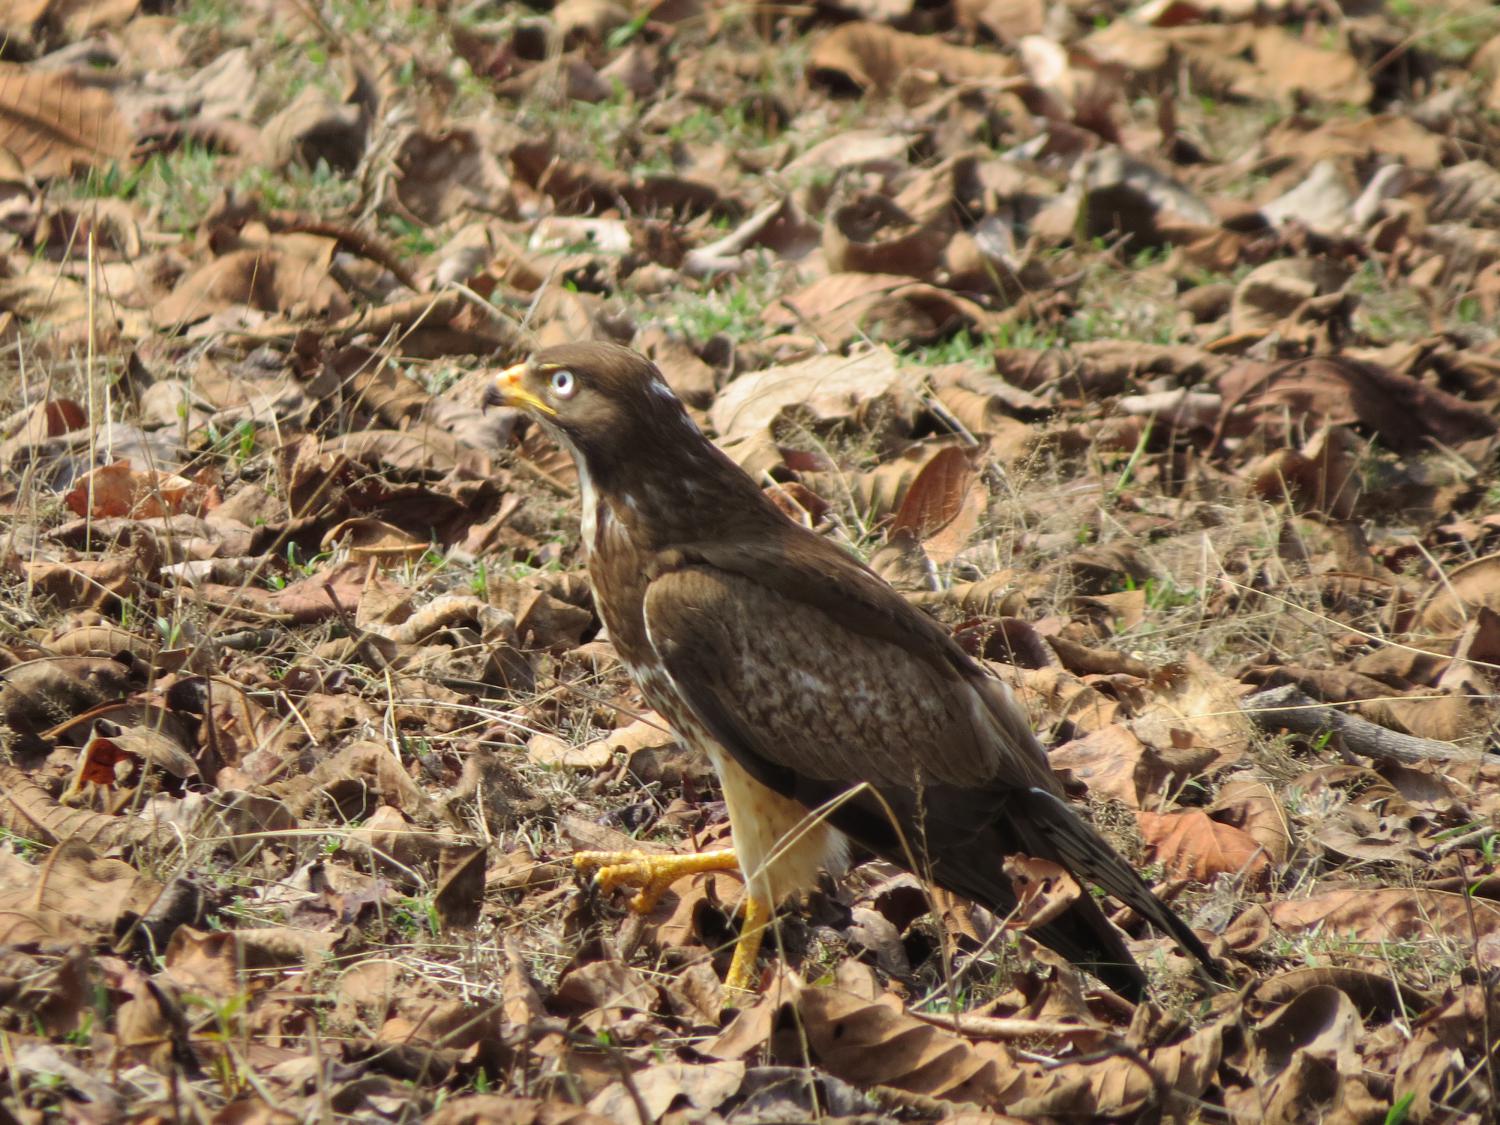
(653, 874)
(652, 886)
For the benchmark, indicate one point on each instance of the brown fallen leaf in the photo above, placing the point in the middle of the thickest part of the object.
(1447, 605)
(550, 750)
(1321, 477)
(509, 1109)
(1396, 135)
(937, 495)
(74, 892)
(1114, 762)
(874, 1043)
(889, 308)
(273, 280)
(602, 994)
(873, 234)
(1251, 805)
(1376, 996)
(459, 894)
(702, 1086)
(1184, 1064)
(878, 59)
(1430, 1072)
(30, 812)
(1192, 845)
(54, 125)
(225, 964)
(368, 538)
(1338, 391)
(1044, 890)
(119, 489)
(32, 426)
(1374, 916)
(827, 388)
(95, 583)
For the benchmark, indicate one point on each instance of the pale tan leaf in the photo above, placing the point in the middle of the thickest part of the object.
(54, 125)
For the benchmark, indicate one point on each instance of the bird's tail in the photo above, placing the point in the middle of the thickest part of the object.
(1060, 834)
(1084, 936)
(1081, 933)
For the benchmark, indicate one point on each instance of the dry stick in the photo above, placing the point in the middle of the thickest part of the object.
(1457, 843)
(360, 637)
(1290, 708)
(1007, 1027)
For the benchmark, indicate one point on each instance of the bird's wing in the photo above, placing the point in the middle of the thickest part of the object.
(784, 684)
(813, 697)
(821, 583)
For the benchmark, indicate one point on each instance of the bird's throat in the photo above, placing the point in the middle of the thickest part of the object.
(658, 498)
(595, 508)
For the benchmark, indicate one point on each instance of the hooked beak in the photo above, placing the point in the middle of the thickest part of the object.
(507, 390)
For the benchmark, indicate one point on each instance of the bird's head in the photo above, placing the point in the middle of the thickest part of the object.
(606, 402)
(634, 444)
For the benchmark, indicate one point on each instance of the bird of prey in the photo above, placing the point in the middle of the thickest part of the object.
(810, 683)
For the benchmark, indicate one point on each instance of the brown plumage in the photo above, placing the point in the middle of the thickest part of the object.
(808, 681)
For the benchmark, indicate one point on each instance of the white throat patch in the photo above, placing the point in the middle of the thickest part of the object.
(593, 508)
(589, 525)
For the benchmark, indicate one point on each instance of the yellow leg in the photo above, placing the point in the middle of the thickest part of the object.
(752, 930)
(653, 874)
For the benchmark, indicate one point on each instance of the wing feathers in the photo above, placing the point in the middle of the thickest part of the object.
(832, 702)
(813, 700)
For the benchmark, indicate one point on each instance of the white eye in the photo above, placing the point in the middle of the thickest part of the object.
(563, 383)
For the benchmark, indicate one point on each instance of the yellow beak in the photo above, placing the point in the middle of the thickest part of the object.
(508, 385)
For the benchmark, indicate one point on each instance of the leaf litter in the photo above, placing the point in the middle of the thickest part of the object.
(1152, 350)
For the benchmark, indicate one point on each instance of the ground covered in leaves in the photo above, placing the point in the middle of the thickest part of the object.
(1153, 351)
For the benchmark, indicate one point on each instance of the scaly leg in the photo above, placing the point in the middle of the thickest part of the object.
(752, 929)
(653, 874)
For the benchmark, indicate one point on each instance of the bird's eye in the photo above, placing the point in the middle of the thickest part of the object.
(563, 384)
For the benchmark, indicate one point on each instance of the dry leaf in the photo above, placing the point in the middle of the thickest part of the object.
(54, 125)
(1193, 846)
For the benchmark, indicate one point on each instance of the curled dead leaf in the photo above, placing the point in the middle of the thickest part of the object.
(881, 60)
(1251, 805)
(550, 750)
(890, 308)
(828, 389)
(872, 234)
(1044, 890)
(369, 538)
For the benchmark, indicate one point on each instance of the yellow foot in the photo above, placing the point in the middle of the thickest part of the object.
(653, 874)
(752, 930)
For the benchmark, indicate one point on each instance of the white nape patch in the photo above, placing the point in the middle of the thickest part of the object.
(660, 389)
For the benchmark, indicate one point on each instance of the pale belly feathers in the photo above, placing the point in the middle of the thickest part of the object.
(781, 846)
